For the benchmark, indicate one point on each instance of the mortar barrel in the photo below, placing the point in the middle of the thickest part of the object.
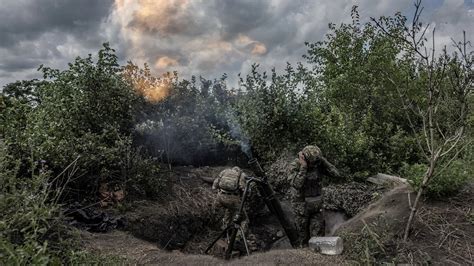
(273, 204)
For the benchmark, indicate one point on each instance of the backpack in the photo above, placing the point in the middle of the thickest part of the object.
(230, 180)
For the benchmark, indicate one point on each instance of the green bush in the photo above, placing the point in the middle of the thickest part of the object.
(31, 226)
(86, 111)
(270, 112)
(445, 183)
(143, 177)
(343, 103)
(362, 126)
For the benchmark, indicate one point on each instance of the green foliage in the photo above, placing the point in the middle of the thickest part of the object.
(17, 102)
(446, 183)
(362, 127)
(31, 228)
(271, 112)
(143, 177)
(344, 103)
(85, 112)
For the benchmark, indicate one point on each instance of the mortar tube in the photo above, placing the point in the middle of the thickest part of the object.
(255, 165)
(273, 204)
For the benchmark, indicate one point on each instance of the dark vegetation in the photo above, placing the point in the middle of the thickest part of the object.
(98, 122)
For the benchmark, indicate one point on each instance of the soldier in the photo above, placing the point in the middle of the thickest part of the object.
(230, 184)
(305, 192)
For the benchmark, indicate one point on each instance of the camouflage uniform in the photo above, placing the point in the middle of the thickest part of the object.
(305, 192)
(230, 200)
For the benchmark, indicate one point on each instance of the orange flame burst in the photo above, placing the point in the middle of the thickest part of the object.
(153, 89)
(153, 92)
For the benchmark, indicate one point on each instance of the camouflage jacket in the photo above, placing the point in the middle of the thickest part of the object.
(306, 182)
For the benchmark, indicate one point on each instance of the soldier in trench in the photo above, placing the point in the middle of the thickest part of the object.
(305, 175)
(230, 185)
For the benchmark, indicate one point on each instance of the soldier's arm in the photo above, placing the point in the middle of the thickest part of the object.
(242, 181)
(330, 169)
(215, 184)
(298, 179)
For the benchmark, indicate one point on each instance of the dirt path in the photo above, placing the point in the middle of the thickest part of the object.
(137, 251)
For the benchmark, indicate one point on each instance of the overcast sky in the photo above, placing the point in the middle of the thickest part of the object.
(194, 37)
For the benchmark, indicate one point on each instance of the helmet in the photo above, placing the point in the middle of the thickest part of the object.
(311, 153)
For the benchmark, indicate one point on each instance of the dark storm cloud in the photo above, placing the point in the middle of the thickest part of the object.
(49, 32)
(15, 65)
(194, 37)
(26, 20)
(241, 16)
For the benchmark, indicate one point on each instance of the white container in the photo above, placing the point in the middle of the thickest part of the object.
(328, 245)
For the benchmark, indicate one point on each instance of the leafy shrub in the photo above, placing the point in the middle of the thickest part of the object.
(31, 227)
(445, 183)
(343, 103)
(362, 124)
(86, 112)
(143, 177)
(270, 111)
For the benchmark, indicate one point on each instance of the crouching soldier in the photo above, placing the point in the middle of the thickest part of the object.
(305, 192)
(231, 184)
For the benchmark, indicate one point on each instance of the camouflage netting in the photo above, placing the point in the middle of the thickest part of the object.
(278, 172)
(350, 198)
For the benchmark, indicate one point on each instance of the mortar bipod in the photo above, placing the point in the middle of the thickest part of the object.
(235, 226)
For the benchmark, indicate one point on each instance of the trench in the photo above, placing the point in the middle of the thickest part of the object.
(189, 223)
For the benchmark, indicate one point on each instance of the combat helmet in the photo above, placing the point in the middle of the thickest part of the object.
(312, 153)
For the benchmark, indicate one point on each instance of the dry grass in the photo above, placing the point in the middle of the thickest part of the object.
(196, 201)
(444, 232)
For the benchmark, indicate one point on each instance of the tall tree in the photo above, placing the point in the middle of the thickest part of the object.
(435, 93)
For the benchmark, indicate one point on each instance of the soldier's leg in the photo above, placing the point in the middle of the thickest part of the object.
(234, 206)
(223, 201)
(227, 219)
(316, 224)
(301, 222)
(316, 219)
(245, 222)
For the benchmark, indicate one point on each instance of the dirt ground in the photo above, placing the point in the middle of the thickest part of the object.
(443, 232)
(137, 251)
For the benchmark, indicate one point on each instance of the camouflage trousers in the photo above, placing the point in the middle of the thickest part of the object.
(308, 219)
(231, 205)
